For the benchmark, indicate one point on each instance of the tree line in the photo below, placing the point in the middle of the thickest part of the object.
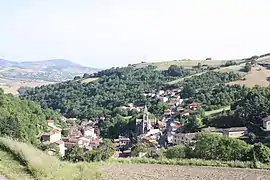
(23, 119)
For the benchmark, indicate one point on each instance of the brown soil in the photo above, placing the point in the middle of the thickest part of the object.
(257, 76)
(165, 172)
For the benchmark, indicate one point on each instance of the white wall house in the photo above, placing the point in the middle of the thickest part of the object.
(183, 138)
(53, 136)
(266, 123)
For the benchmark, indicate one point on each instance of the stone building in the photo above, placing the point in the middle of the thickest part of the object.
(143, 125)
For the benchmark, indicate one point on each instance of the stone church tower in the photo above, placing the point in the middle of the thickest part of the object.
(146, 123)
(143, 125)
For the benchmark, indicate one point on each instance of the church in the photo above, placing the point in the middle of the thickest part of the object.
(144, 125)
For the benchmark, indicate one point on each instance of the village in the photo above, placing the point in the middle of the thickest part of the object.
(160, 133)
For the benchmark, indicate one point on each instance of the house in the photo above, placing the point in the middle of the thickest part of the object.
(170, 137)
(161, 92)
(213, 130)
(184, 113)
(183, 138)
(95, 143)
(167, 112)
(86, 123)
(50, 123)
(83, 142)
(52, 136)
(174, 126)
(235, 132)
(266, 123)
(61, 145)
(193, 106)
(89, 132)
(74, 132)
(163, 99)
(122, 141)
(160, 125)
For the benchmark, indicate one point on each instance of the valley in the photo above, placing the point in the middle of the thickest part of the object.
(159, 115)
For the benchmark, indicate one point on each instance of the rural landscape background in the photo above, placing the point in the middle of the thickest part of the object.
(251, 72)
(128, 90)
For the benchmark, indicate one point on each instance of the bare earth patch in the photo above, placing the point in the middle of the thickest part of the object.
(12, 86)
(164, 172)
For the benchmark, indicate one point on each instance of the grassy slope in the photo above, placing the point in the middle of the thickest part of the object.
(183, 78)
(88, 80)
(43, 167)
(257, 76)
(188, 63)
(12, 169)
(208, 113)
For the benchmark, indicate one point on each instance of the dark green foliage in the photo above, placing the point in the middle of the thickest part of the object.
(103, 152)
(254, 106)
(262, 153)
(229, 63)
(179, 71)
(251, 137)
(117, 87)
(220, 96)
(49, 147)
(216, 147)
(193, 124)
(74, 154)
(176, 152)
(23, 119)
(211, 146)
(247, 67)
(140, 148)
(106, 149)
(205, 81)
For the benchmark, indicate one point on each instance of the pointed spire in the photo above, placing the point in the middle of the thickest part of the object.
(145, 109)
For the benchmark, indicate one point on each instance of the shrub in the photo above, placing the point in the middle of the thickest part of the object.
(262, 152)
(176, 152)
(103, 152)
(216, 147)
(140, 148)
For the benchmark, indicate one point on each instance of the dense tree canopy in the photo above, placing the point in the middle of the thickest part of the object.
(117, 87)
(23, 119)
(206, 82)
(120, 86)
(254, 106)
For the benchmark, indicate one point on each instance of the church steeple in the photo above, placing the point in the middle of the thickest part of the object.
(146, 124)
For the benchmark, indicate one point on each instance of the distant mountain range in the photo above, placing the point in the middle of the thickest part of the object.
(55, 70)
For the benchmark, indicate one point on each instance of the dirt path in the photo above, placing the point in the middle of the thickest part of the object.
(164, 172)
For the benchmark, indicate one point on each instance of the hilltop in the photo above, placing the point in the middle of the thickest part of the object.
(14, 74)
(47, 70)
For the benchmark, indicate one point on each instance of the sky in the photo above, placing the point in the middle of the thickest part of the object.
(106, 33)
